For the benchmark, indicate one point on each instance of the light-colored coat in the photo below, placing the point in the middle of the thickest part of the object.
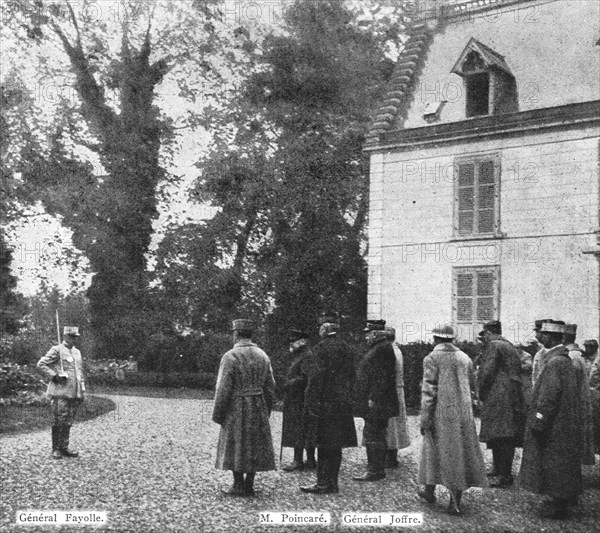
(450, 453)
(397, 432)
(244, 397)
(72, 364)
(551, 463)
(587, 427)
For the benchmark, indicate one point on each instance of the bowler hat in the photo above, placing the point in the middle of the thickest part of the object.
(375, 325)
(493, 326)
(297, 334)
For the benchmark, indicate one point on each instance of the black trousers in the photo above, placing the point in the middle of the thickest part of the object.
(375, 431)
(328, 466)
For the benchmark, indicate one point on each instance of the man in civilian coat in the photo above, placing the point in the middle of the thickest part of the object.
(551, 463)
(376, 397)
(328, 406)
(293, 427)
(64, 366)
(502, 402)
(244, 398)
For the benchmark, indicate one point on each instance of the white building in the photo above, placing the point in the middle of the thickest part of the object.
(484, 183)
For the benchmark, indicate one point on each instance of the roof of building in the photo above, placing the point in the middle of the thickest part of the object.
(549, 46)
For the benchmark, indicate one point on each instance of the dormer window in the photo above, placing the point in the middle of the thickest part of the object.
(490, 86)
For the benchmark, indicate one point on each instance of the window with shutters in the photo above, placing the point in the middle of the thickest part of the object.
(477, 197)
(476, 294)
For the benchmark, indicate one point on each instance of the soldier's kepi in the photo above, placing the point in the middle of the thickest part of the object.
(64, 366)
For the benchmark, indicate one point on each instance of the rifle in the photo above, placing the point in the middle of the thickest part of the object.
(62, 372)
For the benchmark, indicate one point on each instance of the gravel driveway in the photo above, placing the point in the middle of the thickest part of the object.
(149, 465)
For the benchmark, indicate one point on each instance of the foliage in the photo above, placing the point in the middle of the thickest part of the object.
(16, 380)
(288, 180)
(97, 154)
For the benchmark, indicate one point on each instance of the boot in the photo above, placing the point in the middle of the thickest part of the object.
(556, 509)
(249, 484)
(376, 453)
(310, 463)
(495, 471)
(296, 464)
(505, 456)
(454, 505)
(56, 442)
(237, 489)
(64, 442)
(325, 468)
(428, 494)
(391, 459)
(335, 463)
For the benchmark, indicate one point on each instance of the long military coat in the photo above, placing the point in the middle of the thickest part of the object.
(72, 364)
(500, 392)
(244, 397)
(595, 399)
(377, 383)
(328, 396)
(450, 452)
(397, 432)
(551, 464)
(587, 427)
(293, 428)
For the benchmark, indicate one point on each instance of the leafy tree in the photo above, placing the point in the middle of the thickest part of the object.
(116, 61)
(290, 180)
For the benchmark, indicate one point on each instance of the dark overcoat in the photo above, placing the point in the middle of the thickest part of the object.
(244, 397)
(500, 392)
(551, 463)
(293, 428)
(328, 396)
(377, 383)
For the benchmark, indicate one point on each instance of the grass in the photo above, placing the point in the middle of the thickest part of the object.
(23, 418)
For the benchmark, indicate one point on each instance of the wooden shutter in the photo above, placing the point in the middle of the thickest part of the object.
(486, 293)
(466, 198)
(486, 197)
(465, 297)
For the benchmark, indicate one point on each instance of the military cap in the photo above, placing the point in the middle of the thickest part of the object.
(591, 342)
(538, 323)
(71, 330)
(445, 331)
(242, 324)
(328, 318)
(297, 334)
(375, 325)
(570, 329)
(493, 326)
(553, 326)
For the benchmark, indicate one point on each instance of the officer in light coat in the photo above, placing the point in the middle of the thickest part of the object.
(64, 366)
(244, 398)
(397, 431)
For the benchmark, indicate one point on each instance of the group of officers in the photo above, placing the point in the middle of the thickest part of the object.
(323, 392)
(557, 425)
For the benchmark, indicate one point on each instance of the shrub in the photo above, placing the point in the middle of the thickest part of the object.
(15, 379)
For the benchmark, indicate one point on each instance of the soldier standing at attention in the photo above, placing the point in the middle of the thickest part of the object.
(293, 428)
(64, 366)
(244, 398)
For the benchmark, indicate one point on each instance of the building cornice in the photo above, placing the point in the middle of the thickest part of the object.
(569, 116)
